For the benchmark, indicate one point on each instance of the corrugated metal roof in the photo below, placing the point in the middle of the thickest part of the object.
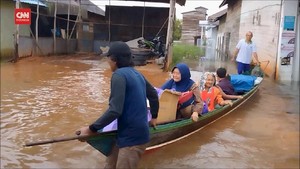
(91, 7)
(71, 2)
(180, 2)
(217, 15)
(34, 2)
(85, 4)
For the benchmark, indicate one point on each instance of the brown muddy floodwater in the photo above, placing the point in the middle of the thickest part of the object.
(50, 97)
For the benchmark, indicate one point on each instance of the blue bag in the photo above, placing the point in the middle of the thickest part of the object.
(242, 83)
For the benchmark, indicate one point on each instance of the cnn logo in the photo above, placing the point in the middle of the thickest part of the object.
(23, 16)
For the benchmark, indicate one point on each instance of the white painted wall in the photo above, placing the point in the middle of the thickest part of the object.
(263, 19)
(286, 72)
(295, 70)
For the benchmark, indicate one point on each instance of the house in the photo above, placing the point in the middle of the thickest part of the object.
(218, 37)
(70, 34)
(275, 26)
(8, 28)
(82, 15)
(191, 32)
(80, 26)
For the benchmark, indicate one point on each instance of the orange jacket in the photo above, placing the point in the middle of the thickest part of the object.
(212, 97)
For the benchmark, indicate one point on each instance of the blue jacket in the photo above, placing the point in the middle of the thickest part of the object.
(127, 102)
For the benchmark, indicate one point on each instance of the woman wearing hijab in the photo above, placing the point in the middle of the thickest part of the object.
(181, 82)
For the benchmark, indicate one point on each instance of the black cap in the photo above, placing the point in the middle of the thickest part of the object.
(117, 49)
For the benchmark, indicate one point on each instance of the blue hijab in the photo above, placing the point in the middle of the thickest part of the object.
(184, 84)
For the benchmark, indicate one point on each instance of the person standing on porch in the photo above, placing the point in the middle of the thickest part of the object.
(243, 53)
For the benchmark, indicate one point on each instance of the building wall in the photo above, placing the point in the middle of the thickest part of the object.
(266, 19)
(232, 25)
(263, 19)
(228, 30)
(127, 23)
(190, 25)
(7, 27)
(295, 70)
(285, 72)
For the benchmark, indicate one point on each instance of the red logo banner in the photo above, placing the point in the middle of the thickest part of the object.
(23, 16)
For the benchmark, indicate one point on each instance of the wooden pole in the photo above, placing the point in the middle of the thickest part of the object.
(54, 28)
(109, 22)
(37, 26)
(169, 40)
(73, 27)
(16, 38)
(78, 136)
(77, 19)
(67, 36)
(79, 15)
(61, 139)
(143, 21)
(79, 28)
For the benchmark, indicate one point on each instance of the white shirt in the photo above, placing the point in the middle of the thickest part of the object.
(245, 51)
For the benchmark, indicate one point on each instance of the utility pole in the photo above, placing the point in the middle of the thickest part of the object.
(67, 33)
(169, 40)
(37, 27)
(54, 28)
(16, 38)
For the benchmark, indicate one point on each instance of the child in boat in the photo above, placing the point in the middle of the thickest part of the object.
(181, 81)
(212, 94)
(223, 82)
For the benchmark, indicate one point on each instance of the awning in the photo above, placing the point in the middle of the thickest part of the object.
(33, 2)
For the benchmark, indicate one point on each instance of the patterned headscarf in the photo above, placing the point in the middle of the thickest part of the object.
(203, 79)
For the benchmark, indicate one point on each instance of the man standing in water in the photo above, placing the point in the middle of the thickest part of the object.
(243, 53)
(127, 103)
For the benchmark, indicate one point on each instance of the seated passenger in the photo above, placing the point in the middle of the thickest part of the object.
(181, 81)
(211, 94)
(223, 81)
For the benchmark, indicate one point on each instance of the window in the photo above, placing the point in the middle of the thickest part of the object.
(85, 28)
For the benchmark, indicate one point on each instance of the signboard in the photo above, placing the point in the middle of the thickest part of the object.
(23, 16)
(287, 47)
(289, 23)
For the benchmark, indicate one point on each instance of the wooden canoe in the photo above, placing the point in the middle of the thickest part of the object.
(170, 130)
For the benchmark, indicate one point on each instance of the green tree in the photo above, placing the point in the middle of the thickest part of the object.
(177, 29)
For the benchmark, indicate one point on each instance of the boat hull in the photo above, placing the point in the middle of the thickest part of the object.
(172, 132)
(167, 133)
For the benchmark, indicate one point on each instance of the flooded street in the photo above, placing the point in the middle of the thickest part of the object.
(46, 97)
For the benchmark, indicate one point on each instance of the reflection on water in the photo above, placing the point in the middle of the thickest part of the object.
(43, 98)
(48, 98)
